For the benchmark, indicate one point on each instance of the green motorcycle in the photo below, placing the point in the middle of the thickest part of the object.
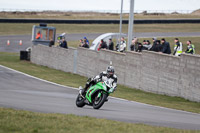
(95, 96)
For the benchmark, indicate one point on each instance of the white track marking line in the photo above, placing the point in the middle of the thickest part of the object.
(38, 78)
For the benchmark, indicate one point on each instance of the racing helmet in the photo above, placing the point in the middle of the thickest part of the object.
(110, 71)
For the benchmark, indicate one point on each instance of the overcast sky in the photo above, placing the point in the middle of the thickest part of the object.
(99, 4)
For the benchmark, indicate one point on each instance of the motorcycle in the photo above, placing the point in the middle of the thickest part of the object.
(95, 96)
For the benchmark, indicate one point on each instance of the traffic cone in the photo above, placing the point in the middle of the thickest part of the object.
(8, 42)
(20, 42)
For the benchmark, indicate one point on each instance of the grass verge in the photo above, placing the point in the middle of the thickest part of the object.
(12, 60)
(15, 121)
(21, 29)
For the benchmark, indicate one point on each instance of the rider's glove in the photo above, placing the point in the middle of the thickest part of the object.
(111, 90)
(97, 80)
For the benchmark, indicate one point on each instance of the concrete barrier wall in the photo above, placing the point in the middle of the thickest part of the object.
(160, 73)
(148, 71)
(190, 77)
(57, 58)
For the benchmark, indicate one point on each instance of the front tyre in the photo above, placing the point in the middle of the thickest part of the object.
(80, 101)
(99, 101)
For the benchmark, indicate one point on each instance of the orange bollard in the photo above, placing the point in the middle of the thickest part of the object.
(8, 42)
(20, 42)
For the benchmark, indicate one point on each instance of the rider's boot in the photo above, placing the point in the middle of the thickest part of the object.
(82, 93)
(83, 90)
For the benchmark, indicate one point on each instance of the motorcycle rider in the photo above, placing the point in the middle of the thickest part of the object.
(103, 76)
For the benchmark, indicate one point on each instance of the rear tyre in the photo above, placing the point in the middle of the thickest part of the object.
(98, 102)
(80, 101)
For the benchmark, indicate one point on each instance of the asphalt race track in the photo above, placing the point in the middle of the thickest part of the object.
(20, 91)
(26, 39)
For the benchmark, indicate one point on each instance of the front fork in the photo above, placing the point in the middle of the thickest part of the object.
(99, 95)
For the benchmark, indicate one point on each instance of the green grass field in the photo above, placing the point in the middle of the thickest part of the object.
(16, 121)
(12, 60)
(23, 29)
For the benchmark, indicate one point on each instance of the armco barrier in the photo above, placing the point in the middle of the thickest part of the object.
(148, 71)
(152, 21)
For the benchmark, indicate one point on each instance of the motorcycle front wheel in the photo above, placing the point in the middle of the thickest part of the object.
(99, 101)
(80, 101)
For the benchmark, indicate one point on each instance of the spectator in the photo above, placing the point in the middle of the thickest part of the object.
(87, 41)
(63, 44)
(85, 44)
(138, 45)
(81, 43)
(117, 46)
(154, 44)
(111, 44)
(157, 47)
(165, 47)
(132, 47)
(122, 46)
(102, 45)
(51, 43)
(178, 47)
(148, 42)
(190, 48)
(144, 42)
(147, 45)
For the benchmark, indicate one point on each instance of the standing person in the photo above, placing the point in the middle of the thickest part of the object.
(165, 47)
(111, 44)
(147, 45)
(178, 47)
(190, 48)
(81, 43)
(132, 47)
(144, 45)
(85, 44)
(87, 41)
(64, 43)
(102, 45)
(154, 44)
(118, 45)
(122, 46)
(144, 42)
(157, 47)
(138, 45)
